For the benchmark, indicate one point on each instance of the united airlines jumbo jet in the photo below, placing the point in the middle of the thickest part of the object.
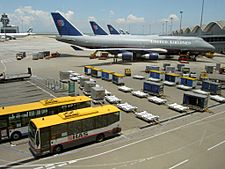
(129, 47)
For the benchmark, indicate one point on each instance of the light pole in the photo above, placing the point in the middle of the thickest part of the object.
(201, 20)
(143, 29)
(181, 12)
(150, 29)
(163, 28)
(166, 26)
(171, 25)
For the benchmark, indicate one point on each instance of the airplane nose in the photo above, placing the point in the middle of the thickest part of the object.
(210, 47)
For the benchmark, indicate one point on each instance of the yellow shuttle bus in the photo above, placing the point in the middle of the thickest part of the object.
(14, 119)
(53, 134)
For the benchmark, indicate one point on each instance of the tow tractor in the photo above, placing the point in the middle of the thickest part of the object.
(185, 56)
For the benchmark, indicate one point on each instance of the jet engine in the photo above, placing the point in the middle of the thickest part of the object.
(126, 55)
(151, 56)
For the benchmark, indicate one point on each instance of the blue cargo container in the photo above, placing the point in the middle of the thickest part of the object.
(179, 66)
(87, 69)
(107, 75)
(117, 78)
(188, 81)
(153, 88)
(212, 87)
(165, 64)
(96, 72)
(172, 77)
(195, 101)
(156, 74)
(151, 67)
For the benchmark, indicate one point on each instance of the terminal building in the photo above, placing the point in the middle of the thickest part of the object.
(214, 33)
(6, 28)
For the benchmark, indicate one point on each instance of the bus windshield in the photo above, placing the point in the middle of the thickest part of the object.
(32, 130)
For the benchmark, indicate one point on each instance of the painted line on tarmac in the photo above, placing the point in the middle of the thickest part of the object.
(177, 165)
(42, 89)
(2, 62)
(216, 145)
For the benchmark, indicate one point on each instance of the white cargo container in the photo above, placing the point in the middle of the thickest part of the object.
(82, 80)
(87, 87)
(97, 93)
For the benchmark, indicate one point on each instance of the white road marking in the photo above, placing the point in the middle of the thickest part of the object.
(3, 65)
(203, 136)
(38, 168)
(179, 164)
(50, 167)
(215, 145)
(63, 164)
(42, 89)
(72, 161)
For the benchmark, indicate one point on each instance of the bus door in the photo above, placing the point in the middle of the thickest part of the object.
(45, 140)
(3, 127)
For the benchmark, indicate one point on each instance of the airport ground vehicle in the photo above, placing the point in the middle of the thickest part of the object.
(53, 134)
(127, 72)
(20, 55)
(14, 119)
(15, 77)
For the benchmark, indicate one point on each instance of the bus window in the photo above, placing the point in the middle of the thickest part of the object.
(59, 131)
(70, 106)
(88, 124)
(52, 110)
(31, 114)
(38, 113)
(75, 127)
(101, 121)
(45, 140)
(37, 138)
(31, 130)
(44, 112)
(14, 120)
(3, 123)
(83, 104)
(112, 118)
(24, 118)
(63, 108)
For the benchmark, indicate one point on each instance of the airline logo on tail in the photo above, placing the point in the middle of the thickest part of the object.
(95, 27)
(60, 23)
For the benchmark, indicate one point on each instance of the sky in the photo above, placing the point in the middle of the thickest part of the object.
(135, 16)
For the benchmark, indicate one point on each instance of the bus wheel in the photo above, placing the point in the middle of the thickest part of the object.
(100, 138)
(16, 135)
(58, 149)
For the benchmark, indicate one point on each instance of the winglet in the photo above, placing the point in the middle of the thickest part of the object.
(112, 30)
(97, 29)
(64, 26)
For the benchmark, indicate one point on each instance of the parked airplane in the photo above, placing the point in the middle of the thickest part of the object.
(97, 30)
(128, 47)
(112, 30)
(16, 35)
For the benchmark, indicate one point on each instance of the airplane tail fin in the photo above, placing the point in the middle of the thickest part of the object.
(112, 30)
(97, 29)
(64, 26)
(30, 30)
